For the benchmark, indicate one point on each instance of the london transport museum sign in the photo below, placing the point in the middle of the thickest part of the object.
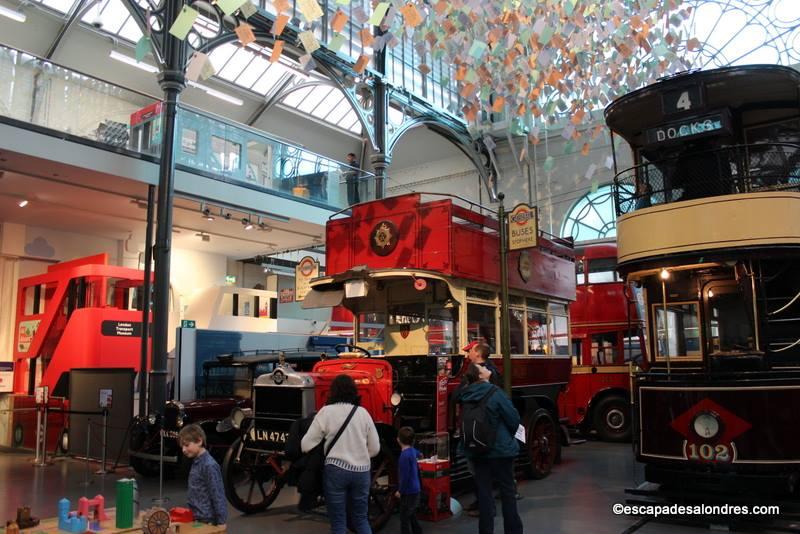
(523, 231)
(305, 270)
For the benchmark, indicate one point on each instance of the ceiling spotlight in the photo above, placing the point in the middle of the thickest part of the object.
(664, 274)
(264, 227)
(247, 224)
(227, 216)
(22, 203)
(207, 214)
(204, 236)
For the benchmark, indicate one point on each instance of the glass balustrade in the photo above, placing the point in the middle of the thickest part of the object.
(42, 93)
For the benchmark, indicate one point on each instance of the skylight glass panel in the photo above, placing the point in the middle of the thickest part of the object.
(316, 96)
(254, 70)
(327, 104)
(338, 113)
(130, 30)
(59, 5)
(112, 14)
(236, 64)
(295, 97)
(220, 55)
(350, 122)
(271, 76)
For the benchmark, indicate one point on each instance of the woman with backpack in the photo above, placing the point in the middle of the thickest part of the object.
(489, 422)
(351, 439)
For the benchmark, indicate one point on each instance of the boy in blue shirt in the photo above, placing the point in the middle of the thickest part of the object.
(206, 494)
(408, 473)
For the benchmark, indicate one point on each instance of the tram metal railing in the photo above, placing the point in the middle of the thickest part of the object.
(701, 174)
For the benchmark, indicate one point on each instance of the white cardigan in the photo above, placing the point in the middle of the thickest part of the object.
(358, 443)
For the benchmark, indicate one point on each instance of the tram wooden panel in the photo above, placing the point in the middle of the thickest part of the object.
(758, 423)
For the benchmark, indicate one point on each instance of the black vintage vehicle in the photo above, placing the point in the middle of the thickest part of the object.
(256, 467)
(226, 384)
(708, 237)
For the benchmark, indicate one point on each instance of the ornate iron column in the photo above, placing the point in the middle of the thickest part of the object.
(505, 329)
(172, 80)
(381, 159)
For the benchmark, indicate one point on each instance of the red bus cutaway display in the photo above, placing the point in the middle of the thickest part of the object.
(79, 314)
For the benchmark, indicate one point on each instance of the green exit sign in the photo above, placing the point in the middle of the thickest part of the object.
(187, 324)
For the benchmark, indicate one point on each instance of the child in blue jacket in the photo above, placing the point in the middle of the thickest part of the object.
(408, 474)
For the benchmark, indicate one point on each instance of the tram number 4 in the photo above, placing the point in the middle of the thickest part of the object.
(684, 102)
(708, 453)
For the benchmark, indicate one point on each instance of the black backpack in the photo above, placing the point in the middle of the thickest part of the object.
(479, 433)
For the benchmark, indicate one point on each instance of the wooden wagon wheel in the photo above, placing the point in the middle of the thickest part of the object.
(155, 521)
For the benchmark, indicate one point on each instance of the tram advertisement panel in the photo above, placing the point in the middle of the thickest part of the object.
(719, 425)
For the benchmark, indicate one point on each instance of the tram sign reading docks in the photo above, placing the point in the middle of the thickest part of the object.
(689, 128)
(523, 228)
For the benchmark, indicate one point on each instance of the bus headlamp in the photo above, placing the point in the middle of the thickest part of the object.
(395, 399)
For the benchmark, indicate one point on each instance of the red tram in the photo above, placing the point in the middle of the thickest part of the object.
(422, 278)
(605, 341)
(709, 234)
(79, 314)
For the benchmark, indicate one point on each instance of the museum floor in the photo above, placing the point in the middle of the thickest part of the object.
(577, 497)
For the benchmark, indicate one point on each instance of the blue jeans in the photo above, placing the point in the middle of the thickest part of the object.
(500, 471)
(347, 494)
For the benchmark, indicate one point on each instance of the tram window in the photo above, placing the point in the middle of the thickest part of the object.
(370, 331)
(442, 328)
(603, 270)
(537, 333)
(516, 319)
(682, 336)
(580, 276)
(537, 304)
(481, 324)
(559, 335)
(557, 308)
(729, 324)
(480, 294)
(35, 299)
(189, 141)
(516, 300)
(632, 347)
(576, 351)
(604, 348)
(227, 152)
(775, 160)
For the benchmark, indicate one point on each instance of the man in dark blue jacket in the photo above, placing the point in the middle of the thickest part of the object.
(497, 465)
(478, 353)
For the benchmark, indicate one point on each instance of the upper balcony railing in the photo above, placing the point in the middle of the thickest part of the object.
(723, 171)
(42, 93)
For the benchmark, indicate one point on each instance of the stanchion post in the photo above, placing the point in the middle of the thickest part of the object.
(160, 501)
(41, 436)
(102, 470)
(37, 461)
(86, 482)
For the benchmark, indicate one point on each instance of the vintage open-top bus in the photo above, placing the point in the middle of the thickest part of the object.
(709, 233)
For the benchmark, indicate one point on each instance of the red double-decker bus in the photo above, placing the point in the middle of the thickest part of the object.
(605, 341)
(79, 314)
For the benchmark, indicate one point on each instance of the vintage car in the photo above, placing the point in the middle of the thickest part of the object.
(226, 384)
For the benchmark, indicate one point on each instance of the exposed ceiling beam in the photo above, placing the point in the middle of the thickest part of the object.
(269, 99)
(73, 16)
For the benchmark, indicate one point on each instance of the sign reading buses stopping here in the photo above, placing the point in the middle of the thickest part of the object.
(523, 228)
